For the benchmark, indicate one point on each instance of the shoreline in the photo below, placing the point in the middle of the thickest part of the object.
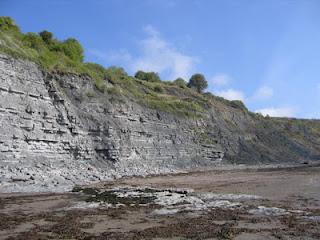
(230, 168)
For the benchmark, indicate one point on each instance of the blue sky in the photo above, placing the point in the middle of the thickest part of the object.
(266, 52)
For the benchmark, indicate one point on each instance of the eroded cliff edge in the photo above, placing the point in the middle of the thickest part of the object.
(58, 130)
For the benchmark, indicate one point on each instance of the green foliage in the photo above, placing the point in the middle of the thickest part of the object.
(33, 40)
(148, 76)
(180, 82)
(73, 49)
(174, 105)
(115, 74)
(97, 69)
(198, 81)
(96, 72)
(55, 46)
(7, 23)
(46, 36)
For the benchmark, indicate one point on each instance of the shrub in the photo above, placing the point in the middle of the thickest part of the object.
(198, 82)
(56, 46)
(7, 23)
(147, 76)
(114, 74)
(96, 72)
(180, 82)
(33, 40)
(73, 49)
(96, 68)
(46, 36)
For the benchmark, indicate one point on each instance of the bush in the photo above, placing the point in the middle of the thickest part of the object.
(7, 23)
(198, 82)
(147, 76)
(73, 49)
(56, 46)
(180, 82)
(33, 40)
(114, 74)
(46, 36)
(96, 68)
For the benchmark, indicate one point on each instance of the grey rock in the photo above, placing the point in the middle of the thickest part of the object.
(50, 131)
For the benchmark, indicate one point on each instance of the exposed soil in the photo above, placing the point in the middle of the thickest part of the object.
(231, 204)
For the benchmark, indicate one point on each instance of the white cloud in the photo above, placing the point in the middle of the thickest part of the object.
(156, 55)
(220, 80)
(160, 56)
(231, 94)
(277, 112)
(263, 93)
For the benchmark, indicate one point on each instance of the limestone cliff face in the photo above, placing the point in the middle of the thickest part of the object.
(54, 133)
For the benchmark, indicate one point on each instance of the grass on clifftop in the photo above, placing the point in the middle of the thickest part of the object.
(67, 56)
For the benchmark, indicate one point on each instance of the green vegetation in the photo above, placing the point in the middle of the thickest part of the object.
(180, 82)
(198, 81)
(73, 49)
(46, 36)
(6, 23)
(147, 76)
(145, 88)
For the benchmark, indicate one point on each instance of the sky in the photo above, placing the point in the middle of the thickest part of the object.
(265, 53)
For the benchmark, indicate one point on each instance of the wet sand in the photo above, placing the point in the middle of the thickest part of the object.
(216, 204)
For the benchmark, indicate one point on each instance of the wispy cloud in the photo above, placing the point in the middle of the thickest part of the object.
(219, 84)
(160, 56)
(220, 80)
(263, 93)
(156, 54)
(278, 112)
(231, 94)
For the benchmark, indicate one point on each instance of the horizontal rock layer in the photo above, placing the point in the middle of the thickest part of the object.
(53, 134)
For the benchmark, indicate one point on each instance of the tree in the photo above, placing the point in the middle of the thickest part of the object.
(198, 81)
(73, 49)
(46, 36)
(180, 82)
(147, 76)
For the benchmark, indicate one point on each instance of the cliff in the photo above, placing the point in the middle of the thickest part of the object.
(60, 128)
(54, 134)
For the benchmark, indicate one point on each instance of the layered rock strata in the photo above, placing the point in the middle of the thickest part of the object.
(58, 130)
